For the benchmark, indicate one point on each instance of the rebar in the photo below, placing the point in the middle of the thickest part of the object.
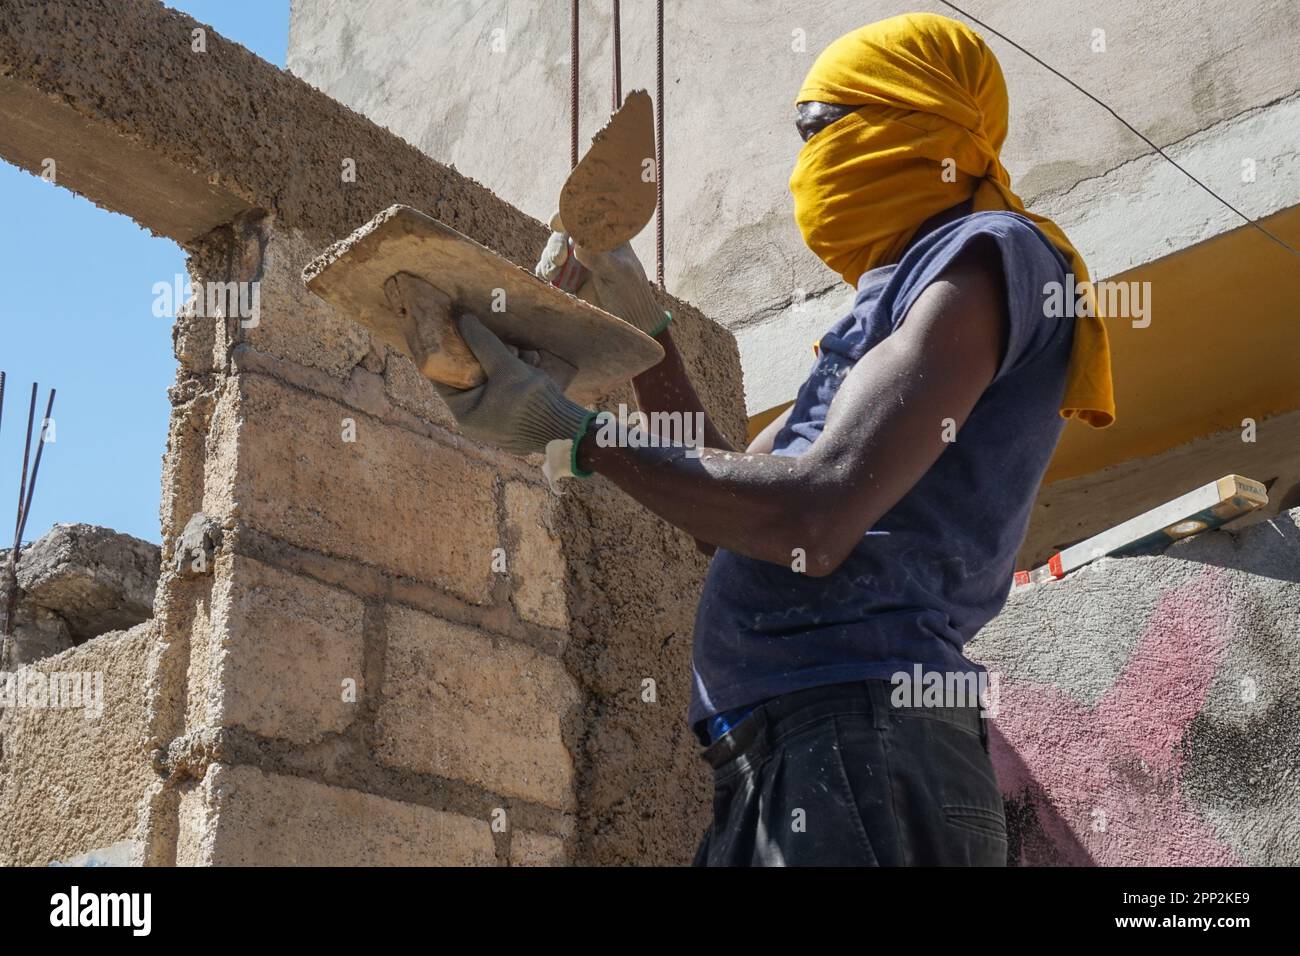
(659, 145)
(573, 83)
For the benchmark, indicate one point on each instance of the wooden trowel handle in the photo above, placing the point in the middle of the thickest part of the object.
(427, 317)
(428, 322)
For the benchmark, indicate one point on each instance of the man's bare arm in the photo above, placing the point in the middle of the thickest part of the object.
(667, 388)
(883, 433)
(765, 440)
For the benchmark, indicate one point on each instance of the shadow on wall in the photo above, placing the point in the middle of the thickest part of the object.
(1037, 835)
(1272, 549)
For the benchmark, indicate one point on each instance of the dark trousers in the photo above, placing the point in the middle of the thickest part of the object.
(838, 776)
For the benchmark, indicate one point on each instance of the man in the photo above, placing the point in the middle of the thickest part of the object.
(872, 529)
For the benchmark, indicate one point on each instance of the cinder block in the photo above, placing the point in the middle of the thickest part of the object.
(74, 773)
(284, 646)
(408, 389)
(292, 323)
(534, 557)
(241, 816)
(213, 463)
(536, 849)
(202, 693)
(98, 580)
(459, 704)
(328, 478)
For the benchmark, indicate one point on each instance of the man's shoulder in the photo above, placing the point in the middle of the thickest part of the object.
(999, 241)
(1006, 227)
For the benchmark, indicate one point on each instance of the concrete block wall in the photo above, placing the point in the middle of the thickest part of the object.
(374, 641)
(362, 541)
(72, 777)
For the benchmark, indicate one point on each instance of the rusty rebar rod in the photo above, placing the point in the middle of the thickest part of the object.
(618, 56)
(27, 454)
(573, 83)
(26, 491)
(36, 465)
(659, 144)
(11, 600)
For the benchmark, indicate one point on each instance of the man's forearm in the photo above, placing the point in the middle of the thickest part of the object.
(755, 505)
(667, 388)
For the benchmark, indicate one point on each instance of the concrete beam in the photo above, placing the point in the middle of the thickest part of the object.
(1072, 509)
(182, 140)
(1145, 209)
(109, 169)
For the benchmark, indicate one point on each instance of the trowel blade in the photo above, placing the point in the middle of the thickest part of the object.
(611, 194)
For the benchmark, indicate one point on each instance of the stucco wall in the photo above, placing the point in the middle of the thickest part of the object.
(1147, 709)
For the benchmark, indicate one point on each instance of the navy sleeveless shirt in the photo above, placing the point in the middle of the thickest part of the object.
(938, 566)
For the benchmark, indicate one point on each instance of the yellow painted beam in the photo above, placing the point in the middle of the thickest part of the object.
(1223, 345)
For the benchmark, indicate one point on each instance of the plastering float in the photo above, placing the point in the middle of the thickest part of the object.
(406, 276)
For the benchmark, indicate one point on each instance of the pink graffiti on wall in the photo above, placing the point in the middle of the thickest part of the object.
(1102, 784)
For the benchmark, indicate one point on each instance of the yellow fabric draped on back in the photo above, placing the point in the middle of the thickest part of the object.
(928, 136)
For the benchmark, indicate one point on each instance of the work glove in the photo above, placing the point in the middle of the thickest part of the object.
(561, 268)
(519, 408)
(615, 280)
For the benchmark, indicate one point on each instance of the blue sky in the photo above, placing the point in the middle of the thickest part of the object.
(77, 314)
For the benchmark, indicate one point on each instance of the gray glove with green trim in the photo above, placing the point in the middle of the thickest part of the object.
(615, 280)
(519, 408)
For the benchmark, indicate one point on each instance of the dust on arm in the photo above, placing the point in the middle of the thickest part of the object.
(884, 431)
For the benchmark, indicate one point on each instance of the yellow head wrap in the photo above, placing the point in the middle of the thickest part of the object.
(928, 136)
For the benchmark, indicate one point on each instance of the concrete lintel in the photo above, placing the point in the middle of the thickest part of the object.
(142, 123)
(108, 168)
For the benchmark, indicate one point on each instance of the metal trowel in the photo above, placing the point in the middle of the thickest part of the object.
(611, 194)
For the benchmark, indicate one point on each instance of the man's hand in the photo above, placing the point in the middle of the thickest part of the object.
(560, 267)
(627, 294)
(622, 287)
(519, 408)
(615, 280)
